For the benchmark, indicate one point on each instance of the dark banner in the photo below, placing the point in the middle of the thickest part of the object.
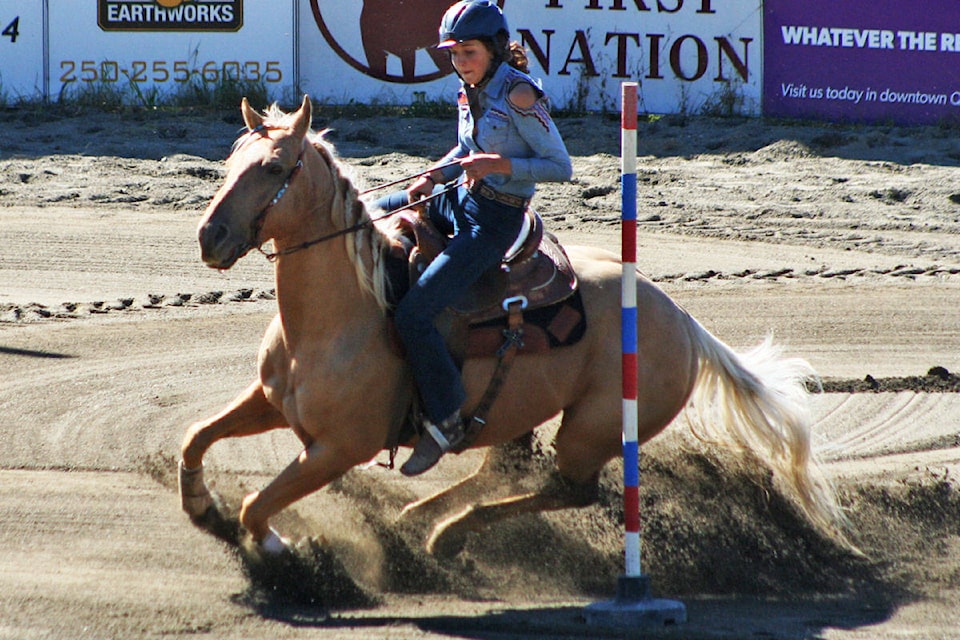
(170, 15)
(860, 61)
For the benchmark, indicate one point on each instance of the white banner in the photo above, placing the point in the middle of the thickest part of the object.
(687, 55)
(21, 50)
(150, 50)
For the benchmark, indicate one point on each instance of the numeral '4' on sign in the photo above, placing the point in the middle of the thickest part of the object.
(12, 30)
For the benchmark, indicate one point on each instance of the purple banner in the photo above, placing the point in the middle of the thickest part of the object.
(860, 61)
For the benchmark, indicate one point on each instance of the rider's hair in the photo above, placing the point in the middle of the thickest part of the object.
(517, 57)
(512, 53)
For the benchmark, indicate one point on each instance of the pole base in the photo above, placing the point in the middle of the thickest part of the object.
(634, 608)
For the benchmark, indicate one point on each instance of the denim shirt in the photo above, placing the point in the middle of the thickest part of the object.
(528, 137)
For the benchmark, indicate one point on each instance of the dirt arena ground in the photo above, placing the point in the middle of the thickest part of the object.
(841, 241)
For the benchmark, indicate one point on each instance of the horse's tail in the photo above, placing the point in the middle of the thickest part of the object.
(760, 401)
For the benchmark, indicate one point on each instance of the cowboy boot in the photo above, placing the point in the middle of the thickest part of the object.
(435, 441)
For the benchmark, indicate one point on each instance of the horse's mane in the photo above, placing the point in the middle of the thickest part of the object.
(346, 211)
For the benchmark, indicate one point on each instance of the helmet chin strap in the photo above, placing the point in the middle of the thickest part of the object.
(473, 92)
(492, 69)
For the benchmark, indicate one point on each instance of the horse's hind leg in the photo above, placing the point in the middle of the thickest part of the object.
(588, 437)
(248, 414)
(450, 536)
(497, 464)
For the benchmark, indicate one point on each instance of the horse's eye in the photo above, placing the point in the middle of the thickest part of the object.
(275, 169)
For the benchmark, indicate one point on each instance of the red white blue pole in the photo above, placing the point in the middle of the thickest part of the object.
(633, 608)
(628, 324)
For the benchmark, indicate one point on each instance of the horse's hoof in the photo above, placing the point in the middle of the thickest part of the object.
(412, 512)
(447, 540)
(409, 511)
(195, 498)
(273, 544)
(196, 506)
(218, 521)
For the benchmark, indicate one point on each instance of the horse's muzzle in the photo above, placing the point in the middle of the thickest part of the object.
(220, 247)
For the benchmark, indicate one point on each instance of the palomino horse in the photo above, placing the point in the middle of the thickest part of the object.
(327, 369)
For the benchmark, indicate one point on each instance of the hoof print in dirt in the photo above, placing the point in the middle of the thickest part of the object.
(212, 297)
(240, 295)
(154, 300)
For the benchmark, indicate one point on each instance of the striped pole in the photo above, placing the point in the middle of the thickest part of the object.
(634, 607)
(628, 326)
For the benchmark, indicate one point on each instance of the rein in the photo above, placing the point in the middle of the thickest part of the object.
(257, 223)
(272, 256)
(408, 179)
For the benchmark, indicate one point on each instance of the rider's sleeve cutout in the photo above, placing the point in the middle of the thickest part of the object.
(522, 96)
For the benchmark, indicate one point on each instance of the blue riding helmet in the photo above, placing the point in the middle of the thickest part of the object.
(471, 20)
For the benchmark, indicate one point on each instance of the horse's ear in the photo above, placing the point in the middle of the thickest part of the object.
(250, 117)
(304, 117)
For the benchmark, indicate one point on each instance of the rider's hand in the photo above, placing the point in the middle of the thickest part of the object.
(421, 188)
(480, 165)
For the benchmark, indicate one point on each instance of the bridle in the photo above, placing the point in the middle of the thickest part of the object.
(257, 223)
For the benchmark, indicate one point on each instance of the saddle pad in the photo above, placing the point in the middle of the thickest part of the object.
(561, 324)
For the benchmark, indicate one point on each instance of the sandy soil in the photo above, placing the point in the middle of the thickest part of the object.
(844, 242)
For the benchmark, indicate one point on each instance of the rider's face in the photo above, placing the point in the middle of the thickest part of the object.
(471, 59)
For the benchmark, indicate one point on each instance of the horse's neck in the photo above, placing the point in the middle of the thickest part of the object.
(319, 296)
(318, 291)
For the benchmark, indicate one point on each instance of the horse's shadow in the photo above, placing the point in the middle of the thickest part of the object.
(311, 587)
(708, 618)
(33, 353)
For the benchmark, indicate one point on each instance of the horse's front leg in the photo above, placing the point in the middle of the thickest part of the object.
(318, 464)
(249, 414)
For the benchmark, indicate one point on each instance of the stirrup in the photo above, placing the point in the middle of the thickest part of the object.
(438, 436)
(449, 433)
(428, 450)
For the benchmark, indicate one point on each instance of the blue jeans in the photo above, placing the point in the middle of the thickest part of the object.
(482, 231)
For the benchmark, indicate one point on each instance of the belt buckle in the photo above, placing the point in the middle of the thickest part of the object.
(490, 193)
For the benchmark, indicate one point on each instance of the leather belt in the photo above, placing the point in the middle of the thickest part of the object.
(481, 189)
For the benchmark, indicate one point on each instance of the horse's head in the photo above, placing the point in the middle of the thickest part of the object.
(260, 169)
